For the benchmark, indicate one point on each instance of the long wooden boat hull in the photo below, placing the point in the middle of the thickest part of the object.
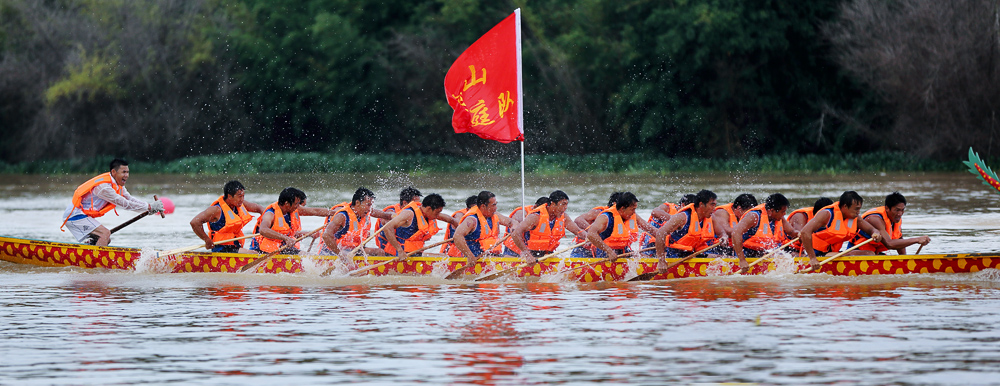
(57, 254)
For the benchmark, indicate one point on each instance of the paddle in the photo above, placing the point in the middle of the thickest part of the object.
(461, 269)
(837, 255)
(918, 250)
(522, 265)
(262, 259)
(602, 261)
(196, 246)
(769, 254)
(650, 275)
(134, 219)
(358, 248)
(359, 271)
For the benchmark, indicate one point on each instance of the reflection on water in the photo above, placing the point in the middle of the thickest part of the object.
(73, 326)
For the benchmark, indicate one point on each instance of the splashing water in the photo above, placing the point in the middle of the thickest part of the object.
(150, 262)
(784, 263)
(440, 268)
(719, 267)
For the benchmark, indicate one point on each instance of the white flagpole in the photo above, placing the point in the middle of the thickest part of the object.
(520, 97)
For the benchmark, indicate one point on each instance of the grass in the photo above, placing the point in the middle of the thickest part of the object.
(547, 164)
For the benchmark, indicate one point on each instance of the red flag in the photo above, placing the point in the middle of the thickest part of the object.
(484, 84)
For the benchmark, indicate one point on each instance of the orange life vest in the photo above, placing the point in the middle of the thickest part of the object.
(764, 238)
(895, 231)
(235, 220)
(396, 208)
(487, 237)
(836, 233)
(545, 237)
(356, 232)
(624, 233)
(733, 220)
(647, 238)
(278, 225)
(449, 248)
(699, 233)
(87, 187)
(425, 230)
(578, 239)
(808, 211)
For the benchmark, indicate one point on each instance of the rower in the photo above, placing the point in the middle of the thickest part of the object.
(96, 197)
(725, 217)
(479, 228)
(832, 226)
(895, 205)
(349, 225)
(659, 216)
(449, 247)
(583, 221)
(226, 218)
(798, 218)
(688, 231)
(762, 228)
(415, 224)
(279, 225)
(543, 229)
(408, 195)
(613, 232)
(518, 213)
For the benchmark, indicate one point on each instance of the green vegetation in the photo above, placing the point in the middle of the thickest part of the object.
(551, 164)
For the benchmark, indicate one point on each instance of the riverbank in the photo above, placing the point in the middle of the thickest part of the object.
(545, 164)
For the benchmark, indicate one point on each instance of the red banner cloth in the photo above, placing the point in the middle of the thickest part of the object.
(483, 86)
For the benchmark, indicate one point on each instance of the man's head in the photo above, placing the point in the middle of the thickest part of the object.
(776, 205)
(362, 201)
(432, 205)
(744, 202)
(558, 201)
(850, 204)
(705, 202)
(821, 203)
(626, 205)
(471, 202)
(487, 203)
(408, 194)
(895, 205)
(233, 193)
(614, 198)
(687, 199)
(119, 171)
(290, 199)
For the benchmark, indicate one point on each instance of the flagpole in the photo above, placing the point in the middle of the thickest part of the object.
(520, 98)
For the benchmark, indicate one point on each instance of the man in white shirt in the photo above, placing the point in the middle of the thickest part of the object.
(98, 196)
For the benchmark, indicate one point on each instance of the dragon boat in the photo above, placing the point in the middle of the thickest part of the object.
(58, 254)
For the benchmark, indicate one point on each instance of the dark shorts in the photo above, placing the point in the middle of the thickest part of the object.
(579, 252)
(226, 248)
(599, 253)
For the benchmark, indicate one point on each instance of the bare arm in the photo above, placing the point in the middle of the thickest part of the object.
(267, 220)
(797, 221)
(448, 219)
(789, 232)
(720, 221)
(379, 213)
(669, 227)
(898, 244)
(198, 224)
(806, 233)
(584, 220)
(310, 211)
(389, 232)
(644, 225)
(574, 228)
(594, 236)
(253, 207)
(335, 225)
(661, 212)
(529, 223)
(461, 231)
(748, 221)
(507, 221)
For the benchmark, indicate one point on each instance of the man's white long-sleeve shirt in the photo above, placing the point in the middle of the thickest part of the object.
(103, 194)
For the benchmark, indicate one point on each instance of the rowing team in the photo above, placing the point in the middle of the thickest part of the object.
(742, 228)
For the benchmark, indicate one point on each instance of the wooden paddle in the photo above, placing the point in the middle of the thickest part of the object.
(356, 249)
(522, 265)
(650, 275)
(134, 219)
(918, 250)
(769, 254)
(460, 270)
(810, 269)
(359, 271)
(602, 261)
(196, 246)
(260, 260)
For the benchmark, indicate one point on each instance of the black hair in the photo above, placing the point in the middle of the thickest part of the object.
(231, 188)
(687, 199)
(289, 194)
(850, 197)
(361, 194)
(484, 197)
(626, 200)
(433, 201)
(541, 201)
(115, 163)
(893, 199)
(745, 201)
(821, 203)
(614, 198)
(703, 197)
(471, 201)
(557, 196)
(776, 201)
(407, 194)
